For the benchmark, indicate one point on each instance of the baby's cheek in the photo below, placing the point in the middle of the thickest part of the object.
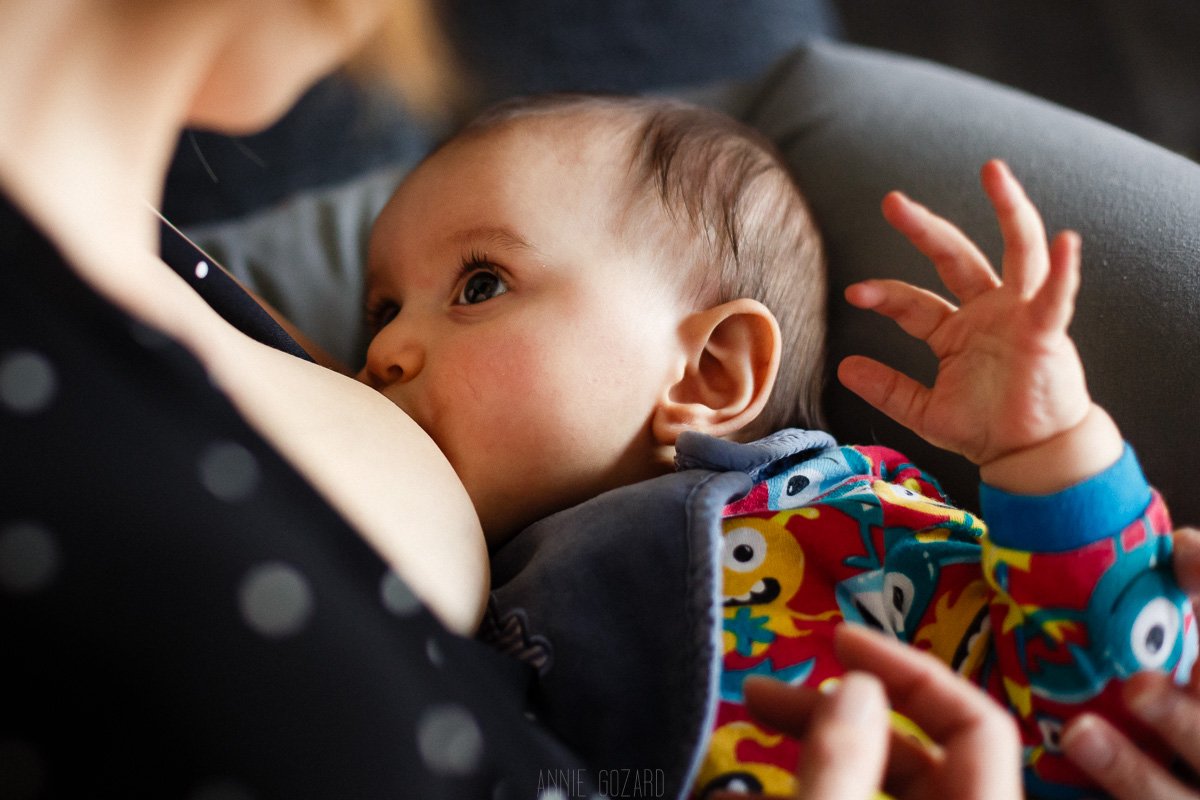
(512, 369)
(503, 380)
(550, 395)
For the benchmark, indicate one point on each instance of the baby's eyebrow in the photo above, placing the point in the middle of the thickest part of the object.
(497, 236)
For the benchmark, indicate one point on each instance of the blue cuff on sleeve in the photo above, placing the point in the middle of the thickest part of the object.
(1095, 509)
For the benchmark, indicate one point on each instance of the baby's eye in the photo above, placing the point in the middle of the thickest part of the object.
(481, 285)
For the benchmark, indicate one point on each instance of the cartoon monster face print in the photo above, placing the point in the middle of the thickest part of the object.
(763, 563)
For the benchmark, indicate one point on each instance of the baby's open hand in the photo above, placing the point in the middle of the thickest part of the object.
(1010, 383)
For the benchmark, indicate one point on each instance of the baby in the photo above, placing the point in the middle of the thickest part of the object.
(577, 296)
(554, 302)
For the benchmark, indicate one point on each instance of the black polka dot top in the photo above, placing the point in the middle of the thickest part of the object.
(180, 614)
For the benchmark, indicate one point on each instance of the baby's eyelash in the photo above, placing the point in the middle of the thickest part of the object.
(479, 280)
(379, 313)
(474, 260)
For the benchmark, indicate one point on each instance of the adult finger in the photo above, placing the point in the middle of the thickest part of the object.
(918, 312)
(919, 685)
(846, 747)
(786, 708)
(1115, 763)
(1026, 259)
(1169, 710)
(1186, 560)
(980, 740)
(790, 709)
(964, 270)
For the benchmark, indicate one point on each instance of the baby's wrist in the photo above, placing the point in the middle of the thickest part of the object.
(1057, 463)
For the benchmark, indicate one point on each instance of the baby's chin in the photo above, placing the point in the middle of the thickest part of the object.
(509, 496)
(500, 526)
(504, 513)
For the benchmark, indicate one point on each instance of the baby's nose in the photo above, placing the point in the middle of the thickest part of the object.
(392, 357)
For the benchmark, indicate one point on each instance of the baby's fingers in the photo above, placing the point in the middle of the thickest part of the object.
(964, 270)
(917, 311)
(895, 394)
(1054, 304)
(1025, 259)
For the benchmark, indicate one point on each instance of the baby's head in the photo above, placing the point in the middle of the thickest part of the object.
(572, 281)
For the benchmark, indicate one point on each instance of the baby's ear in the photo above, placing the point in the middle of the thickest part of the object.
(732, 353)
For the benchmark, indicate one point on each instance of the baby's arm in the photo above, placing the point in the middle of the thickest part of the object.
(1078, 544)
(1010, 393)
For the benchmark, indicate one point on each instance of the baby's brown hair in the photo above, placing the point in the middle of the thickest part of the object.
(736, 218)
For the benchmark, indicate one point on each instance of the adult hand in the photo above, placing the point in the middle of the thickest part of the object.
(1186, 560)
(1174, 712)
(850, 750)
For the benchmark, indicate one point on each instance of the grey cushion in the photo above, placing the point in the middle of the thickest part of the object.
(306, 256)
(853, 124)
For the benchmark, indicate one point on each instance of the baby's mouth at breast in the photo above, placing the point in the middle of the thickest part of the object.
(425, 420)
(408, 407)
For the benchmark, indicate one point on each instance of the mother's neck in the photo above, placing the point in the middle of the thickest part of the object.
(90, 110)
(91, 107)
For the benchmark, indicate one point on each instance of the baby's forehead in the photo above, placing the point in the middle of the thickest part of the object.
(591, 113)
(594, 135)
(555, 157)
(568, 152)
(606, 143)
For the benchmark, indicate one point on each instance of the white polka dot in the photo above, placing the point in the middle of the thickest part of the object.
(28, 557)
(433, 651)
(202, 269)
(275, 600)
(221, 790)
(397, 597)
(229, 471)
(738, 785)
(22, 772)
(449, 740)
(27, 381)
(147, 337)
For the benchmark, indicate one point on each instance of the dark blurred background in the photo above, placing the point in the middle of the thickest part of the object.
(1136, 65)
